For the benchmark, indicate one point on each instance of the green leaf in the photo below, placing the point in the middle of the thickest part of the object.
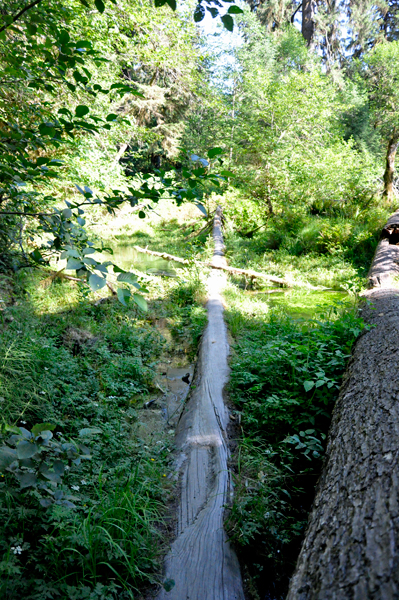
(74, 264)
(84, 44)
(308, 385)
(172, 4)
(67, 213)
(26, 449)
(90, 431)
(140, 301)
(227, 174)
(36, 429)
(127, 278)
(90, 261)
(201, 208)
(168, 585)
(81, 221)
(64, 37)
(141, 214)
(214, 152)
(87, 251)
(96, 282)
(27, 480)
(71, 252)
(228, 22)
(214, 11)
(118, 269)
(235, 10)
(123, 294)
(112, 117)
(46, 129)
(32, 29)
(59, 467)
(199, 13)
(81, 110)
(99, 5)
(7, 457)
(46, 502)
(36, 256)
(159, 3)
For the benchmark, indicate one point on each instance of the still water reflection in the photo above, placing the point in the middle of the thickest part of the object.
(128, 258)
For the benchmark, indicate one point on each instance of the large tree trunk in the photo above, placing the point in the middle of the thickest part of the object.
(389, 193)
(308, 8)
(351, 548)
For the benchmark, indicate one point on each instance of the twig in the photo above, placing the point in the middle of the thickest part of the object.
(21, 12)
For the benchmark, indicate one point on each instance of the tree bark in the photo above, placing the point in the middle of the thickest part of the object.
(388, 192)
(351, 547)
(308, 8)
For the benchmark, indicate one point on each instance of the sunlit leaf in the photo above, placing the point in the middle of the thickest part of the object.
(96, 282)
(140, 301)
(73, 264)
(123, 294)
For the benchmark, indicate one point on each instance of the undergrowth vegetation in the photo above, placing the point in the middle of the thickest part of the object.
(82, 494)
(285, 376)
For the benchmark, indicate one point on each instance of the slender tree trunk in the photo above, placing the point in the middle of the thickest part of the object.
(388, 192)
(308, 8)
(351, 547)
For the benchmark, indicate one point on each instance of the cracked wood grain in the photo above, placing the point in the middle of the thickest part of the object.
(351, 548)
(201, 560)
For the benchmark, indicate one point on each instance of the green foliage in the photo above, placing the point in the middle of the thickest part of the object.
(79, 529)
(284, 382)
(381, 77)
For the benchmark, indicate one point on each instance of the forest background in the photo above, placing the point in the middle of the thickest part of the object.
(128, 109)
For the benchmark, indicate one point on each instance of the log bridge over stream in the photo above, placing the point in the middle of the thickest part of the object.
(201, 561)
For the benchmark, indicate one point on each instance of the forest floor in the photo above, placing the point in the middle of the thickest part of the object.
(87, 363)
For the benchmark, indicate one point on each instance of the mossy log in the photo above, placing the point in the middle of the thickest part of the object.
(351, 547)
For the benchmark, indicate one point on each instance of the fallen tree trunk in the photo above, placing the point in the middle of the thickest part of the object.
(351, 547)
(164, 255)
(234, 270)
(201, 563)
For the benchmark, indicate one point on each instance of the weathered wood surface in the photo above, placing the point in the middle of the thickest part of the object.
(201, 560)
(351, 548)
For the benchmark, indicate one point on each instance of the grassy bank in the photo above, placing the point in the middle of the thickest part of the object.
(82, 510)
(285, 377)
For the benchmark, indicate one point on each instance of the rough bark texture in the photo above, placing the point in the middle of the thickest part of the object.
(308, 8)
(201, 561)
(389, 173)
(351, 546)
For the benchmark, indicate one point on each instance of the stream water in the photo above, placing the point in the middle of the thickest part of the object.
(127, 257)
(303, 304)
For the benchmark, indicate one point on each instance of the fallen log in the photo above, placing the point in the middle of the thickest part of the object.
(254, 275)
(234, 270)
(351, 547)
(164, 255)
(201, 561)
